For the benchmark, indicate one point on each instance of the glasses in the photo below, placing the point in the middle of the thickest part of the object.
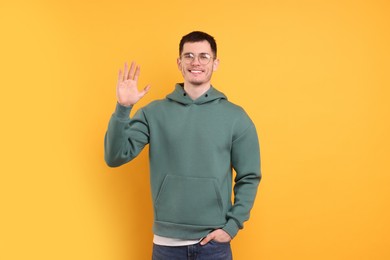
(203, 58)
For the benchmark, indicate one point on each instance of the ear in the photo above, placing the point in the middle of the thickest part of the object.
(215, 64)
(178, 63)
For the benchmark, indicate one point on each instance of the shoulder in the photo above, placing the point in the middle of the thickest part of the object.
(240, 119)
(236, 111)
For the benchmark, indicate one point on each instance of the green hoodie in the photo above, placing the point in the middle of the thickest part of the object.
(193, 146)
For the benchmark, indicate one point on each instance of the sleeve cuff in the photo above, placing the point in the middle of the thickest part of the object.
(122, 112)
(231, 228)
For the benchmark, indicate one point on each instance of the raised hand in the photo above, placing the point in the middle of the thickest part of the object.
(127, 92)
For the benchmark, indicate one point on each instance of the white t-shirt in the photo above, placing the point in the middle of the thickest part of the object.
(167, 241)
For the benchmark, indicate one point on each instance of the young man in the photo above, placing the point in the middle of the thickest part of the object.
(196, 137)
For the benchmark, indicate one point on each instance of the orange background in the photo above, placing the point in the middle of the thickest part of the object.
(313, 75)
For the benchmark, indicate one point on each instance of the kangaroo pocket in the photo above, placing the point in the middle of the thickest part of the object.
(190, 201)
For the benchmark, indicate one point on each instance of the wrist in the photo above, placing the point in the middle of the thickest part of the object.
(125, 104)
(122, 111)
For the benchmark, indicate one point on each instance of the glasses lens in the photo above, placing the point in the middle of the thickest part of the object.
(188, 58)
(204, 58)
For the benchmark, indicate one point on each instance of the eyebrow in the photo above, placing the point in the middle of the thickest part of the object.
(198, 53)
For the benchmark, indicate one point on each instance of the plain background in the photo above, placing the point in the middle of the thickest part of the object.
(313, 76)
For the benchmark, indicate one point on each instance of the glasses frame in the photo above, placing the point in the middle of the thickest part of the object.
(196, 56)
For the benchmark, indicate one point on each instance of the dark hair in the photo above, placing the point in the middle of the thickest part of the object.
(198, 36)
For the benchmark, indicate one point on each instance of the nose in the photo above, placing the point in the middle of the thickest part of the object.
(195, 60)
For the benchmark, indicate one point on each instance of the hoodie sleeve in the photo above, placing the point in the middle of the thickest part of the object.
(125, 138)
(245, 155)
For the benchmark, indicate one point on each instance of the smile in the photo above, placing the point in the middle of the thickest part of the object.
(195, 71)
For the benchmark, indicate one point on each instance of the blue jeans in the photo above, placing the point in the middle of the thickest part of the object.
(211, 251)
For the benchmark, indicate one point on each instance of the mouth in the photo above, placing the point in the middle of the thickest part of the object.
(195, 71)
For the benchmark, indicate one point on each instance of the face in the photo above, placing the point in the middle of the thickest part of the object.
(196, 73)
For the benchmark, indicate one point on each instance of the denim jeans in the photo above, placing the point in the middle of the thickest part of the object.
(211, 251)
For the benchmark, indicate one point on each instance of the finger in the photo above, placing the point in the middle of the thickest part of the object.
(126, 74)
(120, 79)
(137, 72)
(132, 69)
(207, 239)
(144, 91)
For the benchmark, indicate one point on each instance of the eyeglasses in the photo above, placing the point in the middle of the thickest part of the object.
(203, 58)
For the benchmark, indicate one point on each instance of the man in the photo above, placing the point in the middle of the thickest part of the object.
(196, 137)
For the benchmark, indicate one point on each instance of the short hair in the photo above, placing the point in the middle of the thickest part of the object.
(198, 36)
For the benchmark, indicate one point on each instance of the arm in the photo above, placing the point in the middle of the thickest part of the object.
(125, 137)
(246, 162)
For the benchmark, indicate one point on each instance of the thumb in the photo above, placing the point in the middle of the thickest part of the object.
(145, 90)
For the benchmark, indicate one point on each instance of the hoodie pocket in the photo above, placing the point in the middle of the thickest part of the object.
(190, 201)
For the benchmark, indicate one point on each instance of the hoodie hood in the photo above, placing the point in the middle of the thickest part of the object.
(180, 96)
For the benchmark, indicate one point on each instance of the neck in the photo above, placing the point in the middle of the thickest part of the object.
(195, 91)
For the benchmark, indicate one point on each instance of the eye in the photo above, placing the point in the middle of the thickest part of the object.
(204, 56)
(188, 55)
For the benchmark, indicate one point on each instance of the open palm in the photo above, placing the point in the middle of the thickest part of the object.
(127, 88)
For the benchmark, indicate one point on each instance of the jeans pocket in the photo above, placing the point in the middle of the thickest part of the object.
(214, 250)
(219, 243)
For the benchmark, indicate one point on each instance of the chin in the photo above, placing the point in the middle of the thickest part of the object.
(196, 83)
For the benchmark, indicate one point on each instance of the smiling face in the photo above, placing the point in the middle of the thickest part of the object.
(195, 73)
